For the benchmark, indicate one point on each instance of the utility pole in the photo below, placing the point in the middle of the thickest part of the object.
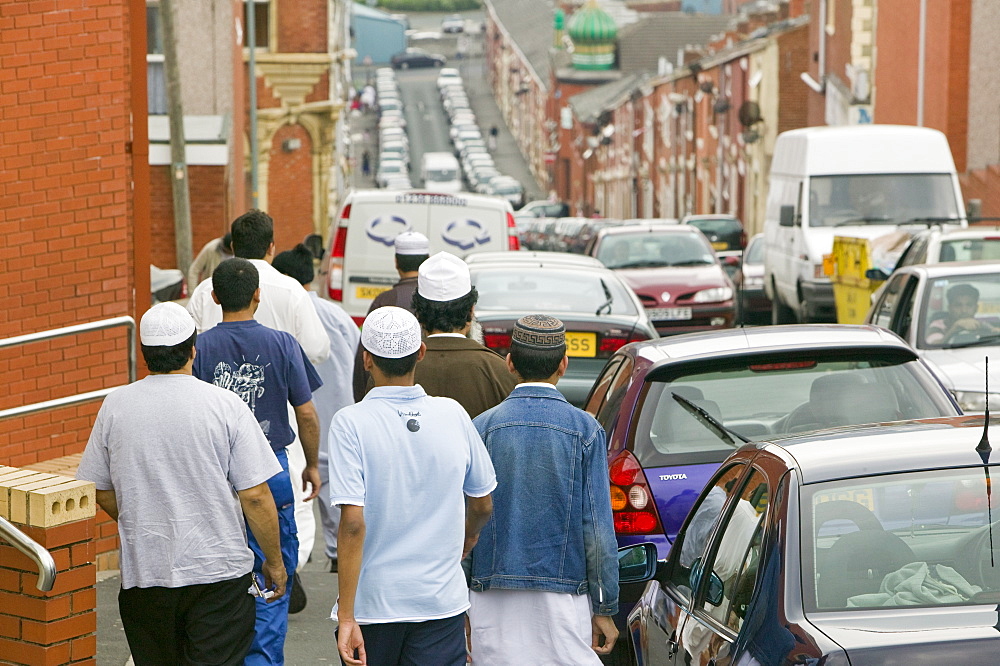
(178, 161)
(251, 33)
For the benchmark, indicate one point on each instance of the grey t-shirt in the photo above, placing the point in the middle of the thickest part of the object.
(175, 450)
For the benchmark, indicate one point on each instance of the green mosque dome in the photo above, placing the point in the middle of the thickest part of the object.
(593, 32)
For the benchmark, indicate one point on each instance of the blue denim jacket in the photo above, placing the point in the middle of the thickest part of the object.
(551, 527)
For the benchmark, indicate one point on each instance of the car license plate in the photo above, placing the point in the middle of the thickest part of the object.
(368, 293)
(720, 245)
(669, 314)
(581, 344)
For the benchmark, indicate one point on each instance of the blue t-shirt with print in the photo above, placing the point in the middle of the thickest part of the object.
(264, 367)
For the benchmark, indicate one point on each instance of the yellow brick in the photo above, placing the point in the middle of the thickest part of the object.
(7, 478)
(18, 503)
(63, 503)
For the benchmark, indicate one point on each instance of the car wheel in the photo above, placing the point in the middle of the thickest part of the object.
(404, 65)
(781, 313)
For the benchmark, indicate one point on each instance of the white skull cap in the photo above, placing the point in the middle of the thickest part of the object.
(165, 325)
(443, 277)
(390, 332)
(412, 242)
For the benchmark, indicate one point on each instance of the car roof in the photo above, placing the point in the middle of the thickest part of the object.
(742, 341)
(639, 228)
(862, 450)
(713, 216)
(950, 268)
(488, 259)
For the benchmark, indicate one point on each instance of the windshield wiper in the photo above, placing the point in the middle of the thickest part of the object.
(864, 220)
(956, 220)
(640, 264)
(710, 422)
(692, 262)
(607, 295)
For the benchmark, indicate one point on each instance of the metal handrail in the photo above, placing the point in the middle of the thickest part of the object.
(41, 557)
(101, 325)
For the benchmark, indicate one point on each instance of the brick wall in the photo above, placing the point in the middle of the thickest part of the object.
(302, 26)
(65, 210)
(58, 626)
(793, 94)
(290, 199)
(207, 190)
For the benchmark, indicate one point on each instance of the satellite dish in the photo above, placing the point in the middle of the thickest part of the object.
(706, 86)
(749, 113)
(721, 105)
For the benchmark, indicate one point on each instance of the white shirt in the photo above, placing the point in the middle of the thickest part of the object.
(409, 459)
(337, 372)
(284, 306)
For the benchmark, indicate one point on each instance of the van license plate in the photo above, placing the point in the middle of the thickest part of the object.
(368, 293)
(669, 314)
(720, 245)
(581, 344)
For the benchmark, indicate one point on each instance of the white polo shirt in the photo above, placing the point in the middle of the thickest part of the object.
(409, 459)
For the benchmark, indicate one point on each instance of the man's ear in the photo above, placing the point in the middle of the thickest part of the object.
(256, 295)
(215, 298)
(563, 364)
(366, 361)
(510, 365)
(421, 352)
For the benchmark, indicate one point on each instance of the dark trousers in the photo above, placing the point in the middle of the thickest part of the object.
(196, 624)
(429, 643)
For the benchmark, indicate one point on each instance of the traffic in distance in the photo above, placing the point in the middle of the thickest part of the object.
(748, 460)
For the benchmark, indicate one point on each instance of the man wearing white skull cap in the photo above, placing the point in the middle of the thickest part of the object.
(411, 250)
(166, 454)
(455, 365)
(408, 472)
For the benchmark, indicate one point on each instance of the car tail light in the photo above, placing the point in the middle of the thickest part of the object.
(335, 275)
(184, 289)
(743, 239)
(785, 365)
(634, 512)
(612, 344)
(498, 342)
(513, 242)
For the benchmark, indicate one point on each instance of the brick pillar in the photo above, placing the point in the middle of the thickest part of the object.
(60, 626)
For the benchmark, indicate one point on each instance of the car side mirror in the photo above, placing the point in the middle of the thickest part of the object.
(636, 564)
(876, 274)
(786, 216)
(715, 587)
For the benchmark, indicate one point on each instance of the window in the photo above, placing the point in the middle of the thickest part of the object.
(692, 543)
(262, 21)
(619, 386)
(959, 310)
(887, 304)
(602, 386)
(737, 554)
(888, 198)
(156, 84)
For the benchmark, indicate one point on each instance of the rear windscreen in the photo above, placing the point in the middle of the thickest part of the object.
(774, 396)
(550, 290)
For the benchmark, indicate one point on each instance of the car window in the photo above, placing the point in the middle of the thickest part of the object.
(690, 545)
(885, 308)
(914, 253)
(718, 226)
(736, 553)
(602, 385)
(651, 250)
(942, 327)
(619, 387)
(924, 535)
(970, 249)
(755, 251)
(551, 290)
(792, 393)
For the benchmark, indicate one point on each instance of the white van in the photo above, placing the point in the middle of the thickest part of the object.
(440, 172)
(860, 180)
(361, 262)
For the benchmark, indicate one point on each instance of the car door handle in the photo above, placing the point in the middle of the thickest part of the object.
(672, 644)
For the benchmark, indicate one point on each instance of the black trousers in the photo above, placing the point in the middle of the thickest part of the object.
(196, 624)
(428, 643)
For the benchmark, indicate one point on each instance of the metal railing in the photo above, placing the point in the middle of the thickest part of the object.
(41, 557)
(101, 325)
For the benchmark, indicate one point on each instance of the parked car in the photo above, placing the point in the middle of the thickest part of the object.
(389, 168)
(760, 383)
(724, 232)
(508, 188)
(674, 271)
(937, 245)
(600, 311)
(414, 57)
(857, 546)
(449, 76)
(752, 304)
(944, 326)
(544, 209)
(453, 23)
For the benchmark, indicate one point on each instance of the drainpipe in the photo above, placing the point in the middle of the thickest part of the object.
(252, 89)
(921, 57)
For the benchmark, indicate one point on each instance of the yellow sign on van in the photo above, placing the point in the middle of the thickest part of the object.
(369, 292)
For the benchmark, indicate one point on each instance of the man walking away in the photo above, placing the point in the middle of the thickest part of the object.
(336, 373)
(455, 366)
(411, 249)
(408, 471)
(268, 370)
(212, 254)
(166, 454)
(284, 306)
(545, 571)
